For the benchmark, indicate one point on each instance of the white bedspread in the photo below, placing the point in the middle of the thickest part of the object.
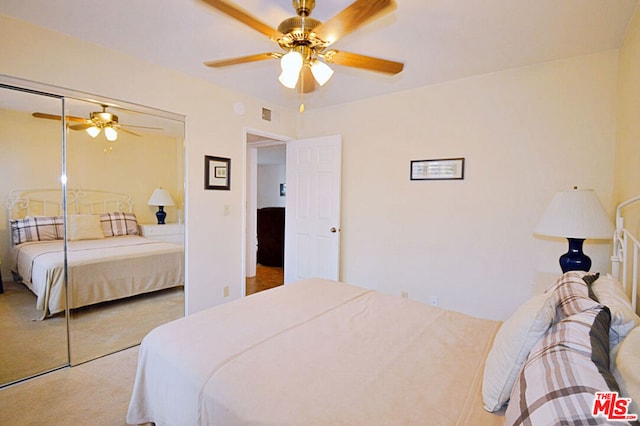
(98, 270)
(315, 353)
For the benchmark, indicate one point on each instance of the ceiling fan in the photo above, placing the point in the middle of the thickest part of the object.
(97, 121)
(305, 41)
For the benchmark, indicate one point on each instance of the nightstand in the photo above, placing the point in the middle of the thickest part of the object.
(169, 232)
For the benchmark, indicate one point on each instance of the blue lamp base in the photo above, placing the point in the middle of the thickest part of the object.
(575, 259)
(161, 215)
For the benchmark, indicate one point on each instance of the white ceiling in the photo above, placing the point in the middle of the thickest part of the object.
(438, 40)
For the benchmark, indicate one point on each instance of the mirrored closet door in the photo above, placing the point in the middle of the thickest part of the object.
(89, 267)
(31, 156)
(117, 163)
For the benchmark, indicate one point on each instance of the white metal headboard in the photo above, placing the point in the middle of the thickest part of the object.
(34, 202)
(624, 261)
(48, 202)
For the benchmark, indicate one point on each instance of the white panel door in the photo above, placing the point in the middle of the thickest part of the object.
(312, 223)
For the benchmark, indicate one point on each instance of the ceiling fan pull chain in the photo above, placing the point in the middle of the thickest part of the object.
(301, 109)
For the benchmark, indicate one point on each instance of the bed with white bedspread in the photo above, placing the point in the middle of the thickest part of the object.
(106, 258)
(320, 352)
(316, 353)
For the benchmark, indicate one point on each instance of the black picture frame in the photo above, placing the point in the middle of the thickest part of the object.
(437, 169)
(217, 173)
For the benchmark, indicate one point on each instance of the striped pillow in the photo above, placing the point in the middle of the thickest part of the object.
(115, 224)
(564, 371)
(37, 228)
(572, 294)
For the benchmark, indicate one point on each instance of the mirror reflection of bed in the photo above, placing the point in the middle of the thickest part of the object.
(133, 165)
(119, 284)
(136, 166)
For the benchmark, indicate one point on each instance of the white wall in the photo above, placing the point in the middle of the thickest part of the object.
(627, 171)
(270, 176)
(214, 255)
(525, 133)
(627, 175)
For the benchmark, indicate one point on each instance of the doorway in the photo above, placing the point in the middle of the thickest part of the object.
(265, 211)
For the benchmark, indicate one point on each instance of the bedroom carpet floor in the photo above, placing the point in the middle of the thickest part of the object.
(94, 393)
(29, 347)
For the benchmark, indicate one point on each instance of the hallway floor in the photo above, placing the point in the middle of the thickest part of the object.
(266, 277)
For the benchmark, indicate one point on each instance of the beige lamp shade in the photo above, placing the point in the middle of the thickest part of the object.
(576, 213)
(160, 197)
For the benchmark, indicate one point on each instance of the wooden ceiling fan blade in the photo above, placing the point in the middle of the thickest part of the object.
(350, 19)
(242, 60)
(306, 82)
(245, 17)
(364, 62)
(122, 129)
(139, 127)
(57, 117)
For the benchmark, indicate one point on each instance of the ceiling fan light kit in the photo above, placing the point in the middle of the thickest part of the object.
(110, 133)
(321, 72)
(305, 41)
(93, 131)
(101, 120)
(291, 64)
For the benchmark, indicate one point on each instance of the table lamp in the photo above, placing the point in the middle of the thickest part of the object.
(160, 198)
(576, 215)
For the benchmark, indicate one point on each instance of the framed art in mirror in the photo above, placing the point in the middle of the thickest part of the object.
(217, 173)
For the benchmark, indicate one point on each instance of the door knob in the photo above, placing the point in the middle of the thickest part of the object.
(333, 229)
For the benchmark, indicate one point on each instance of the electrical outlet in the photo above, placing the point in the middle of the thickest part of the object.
(225, 292)
(435, 300)
(404, 295)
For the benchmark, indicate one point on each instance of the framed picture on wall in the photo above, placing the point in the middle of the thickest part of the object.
(438, 169)
(217, 173)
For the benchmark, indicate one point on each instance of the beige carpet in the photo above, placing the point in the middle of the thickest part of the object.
(28, 347)
(107, 327)
(32, 347)
(94, 393)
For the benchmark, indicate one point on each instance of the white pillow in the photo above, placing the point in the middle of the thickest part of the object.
(627, 369)
(85, 227)
(610, 293)
(512, 345)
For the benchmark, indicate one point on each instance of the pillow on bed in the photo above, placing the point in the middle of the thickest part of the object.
(572, 294)
(609, 292)
(115, 224)
(564, 371)
(627, 369)
(38, 228)
(84, 227)
(511, 346)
